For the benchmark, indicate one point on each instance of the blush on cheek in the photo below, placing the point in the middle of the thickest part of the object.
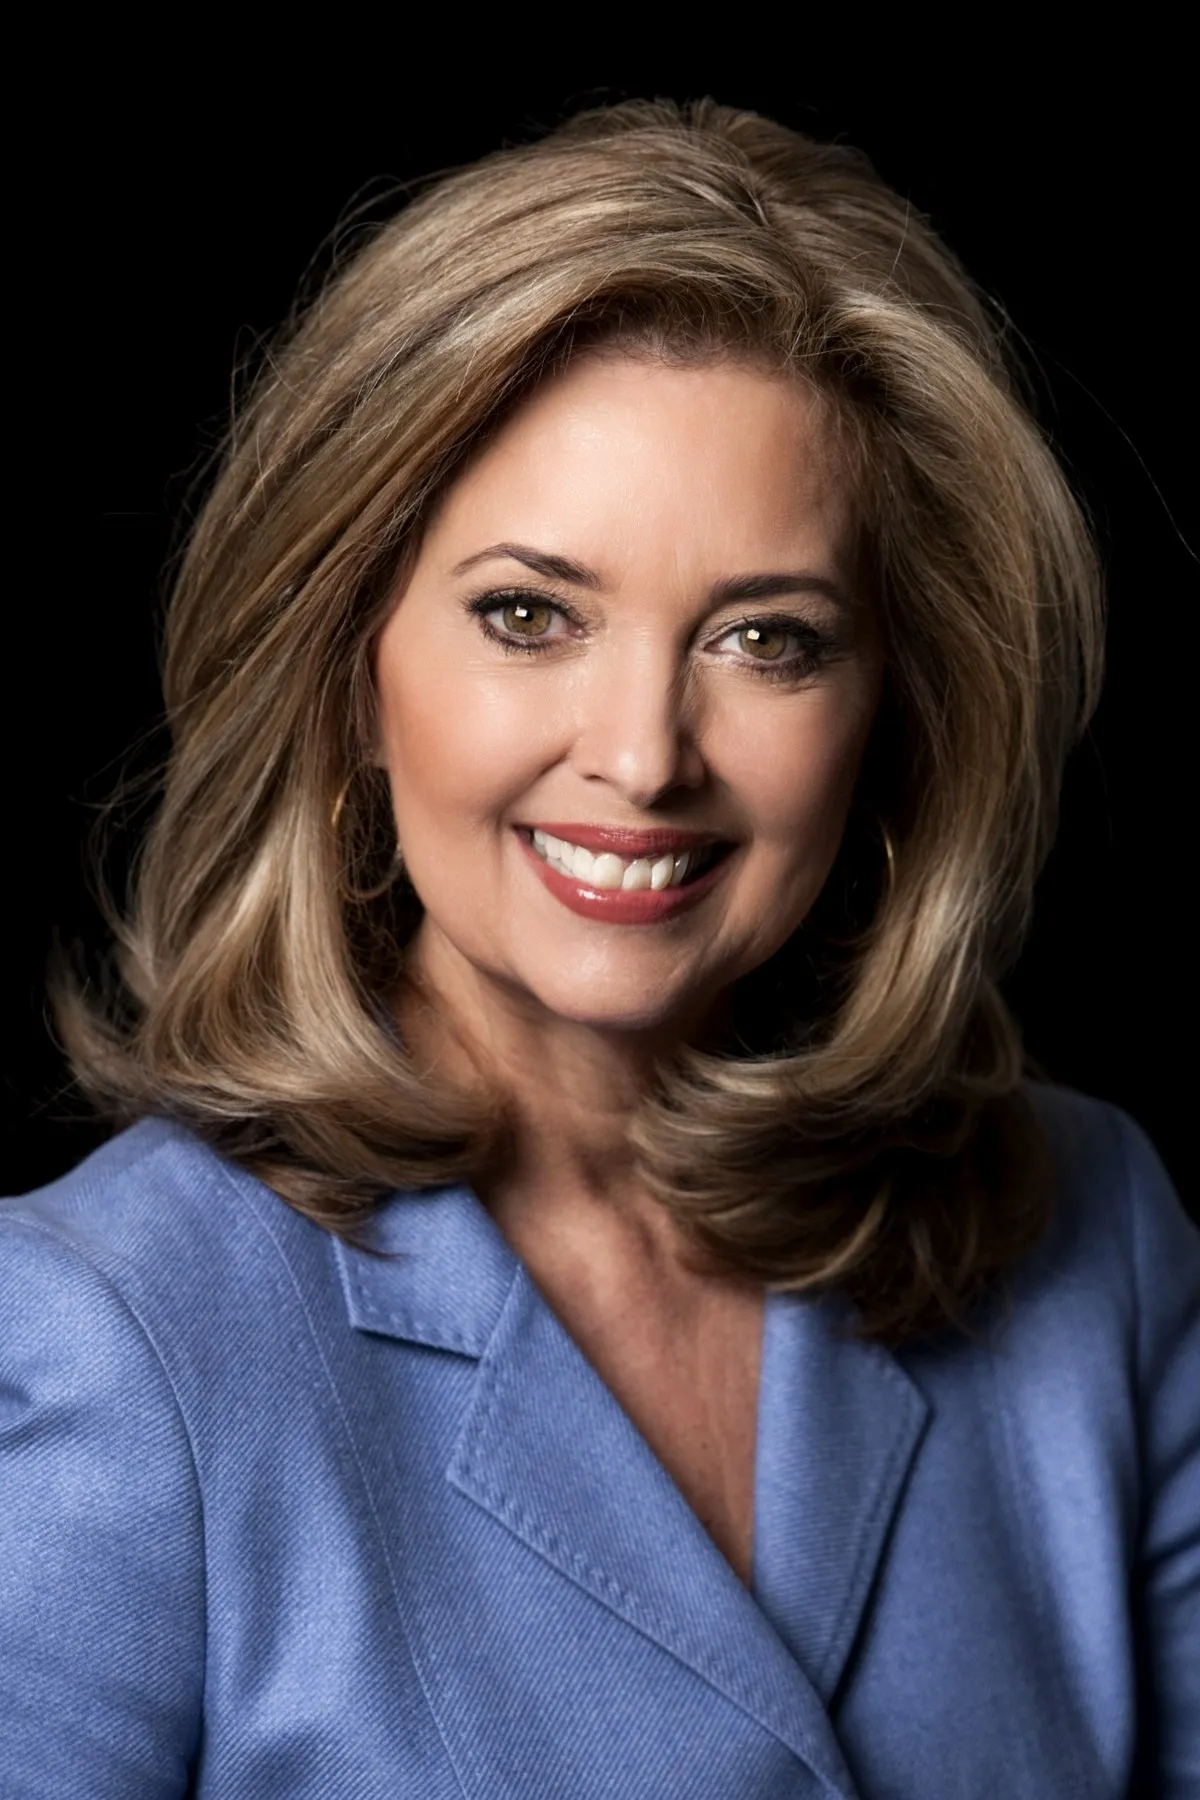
(460, 758)
(796, 773)
(798, 812)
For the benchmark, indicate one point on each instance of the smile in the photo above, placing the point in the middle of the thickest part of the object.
(624, 877)
(631, 874)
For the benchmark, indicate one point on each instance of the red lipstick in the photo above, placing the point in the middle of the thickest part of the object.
(623, 842)
(616, 906)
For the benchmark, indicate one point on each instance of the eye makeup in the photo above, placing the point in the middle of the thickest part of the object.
(521, 601)
(810, 647)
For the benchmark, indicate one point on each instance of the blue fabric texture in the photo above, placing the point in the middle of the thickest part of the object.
(281, 1520)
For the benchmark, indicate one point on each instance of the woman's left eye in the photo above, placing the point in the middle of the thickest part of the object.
(779, 646)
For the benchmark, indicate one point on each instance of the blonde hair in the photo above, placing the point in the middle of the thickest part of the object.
(864, 1127)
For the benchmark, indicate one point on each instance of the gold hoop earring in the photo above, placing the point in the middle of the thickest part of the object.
(360, 896)
(889, 849)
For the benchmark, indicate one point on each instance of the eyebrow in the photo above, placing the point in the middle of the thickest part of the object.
(554, 568)
(785, 581)
(768, 586)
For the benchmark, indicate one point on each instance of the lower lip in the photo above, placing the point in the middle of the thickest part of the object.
(617, 907)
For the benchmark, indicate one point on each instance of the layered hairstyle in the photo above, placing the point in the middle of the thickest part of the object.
(863, 1125)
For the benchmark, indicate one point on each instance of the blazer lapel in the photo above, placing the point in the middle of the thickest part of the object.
(546, 1451)
(839, 1424)
(440, 1276)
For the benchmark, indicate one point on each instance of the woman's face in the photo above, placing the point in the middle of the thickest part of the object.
(626, 689)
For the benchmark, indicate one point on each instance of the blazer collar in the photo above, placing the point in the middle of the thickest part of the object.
(547, 1451)
(443, 1276)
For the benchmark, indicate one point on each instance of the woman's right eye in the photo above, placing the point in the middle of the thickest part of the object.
(518, 621)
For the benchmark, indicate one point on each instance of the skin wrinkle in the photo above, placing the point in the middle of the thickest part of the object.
(665, 481)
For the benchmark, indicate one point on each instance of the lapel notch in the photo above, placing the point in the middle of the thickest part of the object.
(442, 1279)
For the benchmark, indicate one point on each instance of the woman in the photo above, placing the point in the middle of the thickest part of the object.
(591, 1306)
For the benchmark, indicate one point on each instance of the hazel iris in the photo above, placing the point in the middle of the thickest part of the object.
(525, 619)
(766, 642)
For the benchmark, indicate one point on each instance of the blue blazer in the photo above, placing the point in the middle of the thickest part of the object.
(282, 1521)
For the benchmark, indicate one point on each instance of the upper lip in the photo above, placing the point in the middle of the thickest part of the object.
(621, 841)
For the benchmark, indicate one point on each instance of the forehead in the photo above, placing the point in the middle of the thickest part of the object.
(719, 461)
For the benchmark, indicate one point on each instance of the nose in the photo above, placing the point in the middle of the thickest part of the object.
(636, 726)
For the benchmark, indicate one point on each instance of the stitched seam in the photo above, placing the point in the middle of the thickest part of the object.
(633, 1611)
(127, 1307)
(440, 1335)
(626, 1605)
(839, 1646)
(268, 1232)
(146, 1154)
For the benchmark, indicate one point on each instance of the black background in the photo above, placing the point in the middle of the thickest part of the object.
(180, 199)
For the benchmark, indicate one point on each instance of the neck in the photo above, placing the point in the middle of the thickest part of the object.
(571, 1089)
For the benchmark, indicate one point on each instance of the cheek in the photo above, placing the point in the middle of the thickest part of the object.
(794, 771)
(459, 745)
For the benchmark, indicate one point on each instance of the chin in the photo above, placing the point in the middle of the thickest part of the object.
(610, 1009)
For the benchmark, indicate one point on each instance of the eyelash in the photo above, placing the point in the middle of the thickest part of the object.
(816, 646)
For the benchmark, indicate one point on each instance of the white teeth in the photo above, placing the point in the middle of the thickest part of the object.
(608, 871)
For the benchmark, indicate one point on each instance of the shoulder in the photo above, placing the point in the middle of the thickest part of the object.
(1116, 1215)
(162, 1246)
(1099, 1386)
(1091, 1342)
(122, 1200)
(1099, 1340)
(1115, 1211)
(1101, 1154)
(155, 1212)
(100, 1477)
